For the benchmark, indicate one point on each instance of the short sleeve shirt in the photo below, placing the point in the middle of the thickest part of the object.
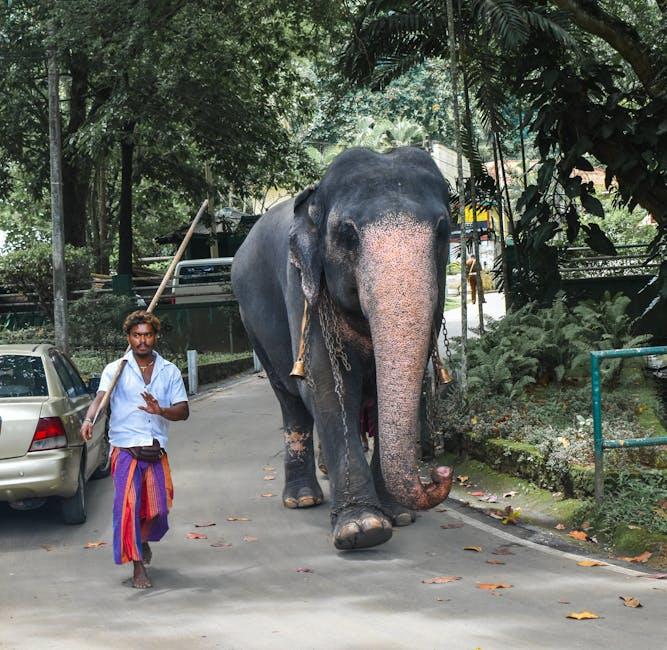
(129, 425)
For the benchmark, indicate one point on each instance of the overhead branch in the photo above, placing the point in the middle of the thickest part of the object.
(623, 38)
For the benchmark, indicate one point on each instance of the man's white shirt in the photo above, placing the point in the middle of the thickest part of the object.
(129, 425)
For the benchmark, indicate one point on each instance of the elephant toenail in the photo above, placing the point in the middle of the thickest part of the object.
(306, 502)
(290, 502)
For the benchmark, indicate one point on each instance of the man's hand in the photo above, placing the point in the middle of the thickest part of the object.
(152, 405)
(86, 431)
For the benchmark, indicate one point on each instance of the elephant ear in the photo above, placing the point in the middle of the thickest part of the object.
(305, 244)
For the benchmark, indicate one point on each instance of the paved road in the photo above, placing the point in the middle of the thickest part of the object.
(250, 595)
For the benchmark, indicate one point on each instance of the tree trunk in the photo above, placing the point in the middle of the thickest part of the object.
(125, 207)
(453, 66)
(76, 169)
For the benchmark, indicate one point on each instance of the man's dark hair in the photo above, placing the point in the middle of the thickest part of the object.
(141, 317)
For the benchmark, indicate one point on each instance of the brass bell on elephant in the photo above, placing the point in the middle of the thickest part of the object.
(298, 369)
(445, 375)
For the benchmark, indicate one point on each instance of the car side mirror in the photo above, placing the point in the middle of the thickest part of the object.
(93, 385)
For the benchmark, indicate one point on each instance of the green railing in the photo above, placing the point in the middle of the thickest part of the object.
(600, 443)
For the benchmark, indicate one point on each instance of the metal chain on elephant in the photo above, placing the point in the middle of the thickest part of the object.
(330, 326)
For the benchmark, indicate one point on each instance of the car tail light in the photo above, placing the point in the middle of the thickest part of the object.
(50, 434)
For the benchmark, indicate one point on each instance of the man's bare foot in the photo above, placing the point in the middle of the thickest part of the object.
(140, 579)
(146, 553)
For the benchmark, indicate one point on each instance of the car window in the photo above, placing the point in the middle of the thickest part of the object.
(202, 274)
(77, 382)
(22, 376)
(65, 378)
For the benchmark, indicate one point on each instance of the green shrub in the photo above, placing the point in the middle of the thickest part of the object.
(29, 271)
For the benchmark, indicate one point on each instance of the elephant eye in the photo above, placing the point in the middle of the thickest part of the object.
(347, 235)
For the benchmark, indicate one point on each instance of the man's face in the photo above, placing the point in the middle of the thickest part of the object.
(142, 339)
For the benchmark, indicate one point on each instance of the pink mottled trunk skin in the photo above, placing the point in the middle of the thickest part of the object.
(398, 293)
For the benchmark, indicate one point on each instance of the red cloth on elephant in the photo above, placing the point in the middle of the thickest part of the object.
(368, 418)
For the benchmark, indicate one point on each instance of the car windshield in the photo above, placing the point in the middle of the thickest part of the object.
(22, 376)
(202, 274)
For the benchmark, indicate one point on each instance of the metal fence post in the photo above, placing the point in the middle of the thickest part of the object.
(597, 427)
(193, 383)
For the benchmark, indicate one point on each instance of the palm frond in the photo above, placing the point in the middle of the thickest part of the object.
(504, 18)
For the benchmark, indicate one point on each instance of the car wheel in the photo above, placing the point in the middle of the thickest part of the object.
(74, 508)
(104, 468)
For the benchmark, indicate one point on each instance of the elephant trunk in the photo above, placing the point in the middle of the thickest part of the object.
(398, 293)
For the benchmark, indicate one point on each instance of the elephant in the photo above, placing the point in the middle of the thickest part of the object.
(349, 278)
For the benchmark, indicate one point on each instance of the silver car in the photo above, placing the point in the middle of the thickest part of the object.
(43, 401)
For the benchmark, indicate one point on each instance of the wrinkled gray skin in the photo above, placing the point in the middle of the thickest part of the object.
(373, 234)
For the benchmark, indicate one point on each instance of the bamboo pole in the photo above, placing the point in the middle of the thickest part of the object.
(156, 298)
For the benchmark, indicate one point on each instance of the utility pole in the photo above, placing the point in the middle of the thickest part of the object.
(58, 226)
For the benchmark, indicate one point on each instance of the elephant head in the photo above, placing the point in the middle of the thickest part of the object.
(376, 232)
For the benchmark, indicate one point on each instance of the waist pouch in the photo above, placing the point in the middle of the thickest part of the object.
(148, 453)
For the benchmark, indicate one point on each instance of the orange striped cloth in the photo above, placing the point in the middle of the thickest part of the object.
(143, 496)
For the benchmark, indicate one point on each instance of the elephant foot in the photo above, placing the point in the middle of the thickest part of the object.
(302, 496)
(399, 515)
(361, 528)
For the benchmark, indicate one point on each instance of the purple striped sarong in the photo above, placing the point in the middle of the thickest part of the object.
(143, 494)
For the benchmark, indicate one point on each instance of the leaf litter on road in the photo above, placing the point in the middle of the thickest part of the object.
(502, 550)
(456, 524)
(581, 535)
(440, 580)
(238, 518)
(495, 561)
(269, 477)
(476, 549)
(221, 544)
(631, 601)
(205, 524)
(268, 468)
(196, 536)
(638, 559)
(249, 538)
(94, 544)
(582, 616)
(267, 494)
(591, 563)
(492, 586)
(304, 569)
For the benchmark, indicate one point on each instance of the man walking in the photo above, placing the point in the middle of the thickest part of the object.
(149, 394)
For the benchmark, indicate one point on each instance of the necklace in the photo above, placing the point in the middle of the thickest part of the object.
(147, 365)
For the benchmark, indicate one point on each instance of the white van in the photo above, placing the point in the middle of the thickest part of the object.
(202, 280)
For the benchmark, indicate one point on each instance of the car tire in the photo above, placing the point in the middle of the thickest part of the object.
(104, 468)
(73, 509)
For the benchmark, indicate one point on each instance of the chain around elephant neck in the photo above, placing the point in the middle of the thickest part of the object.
(330, 325)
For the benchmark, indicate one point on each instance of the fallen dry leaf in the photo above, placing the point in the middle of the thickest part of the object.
(564, 602)
(495, 562)
(221, 545)
(496, 514)
(657, 576)
(477, 494)
(205, 524)
(559, 526)
(578, 534)
(249, 538)
(492, 586)
(510, 494)
(196, 536)
(490, 498)
(268, 468)
(630, 601)
(267, 494)
(237, 518)
(462, 479)
(638, 559)
(94, 545)
(477, 549)
(268, 477)
(582, 616)
(454, 525)
(304, 569)
(591, 563)
(440, 580)
(441, 509)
